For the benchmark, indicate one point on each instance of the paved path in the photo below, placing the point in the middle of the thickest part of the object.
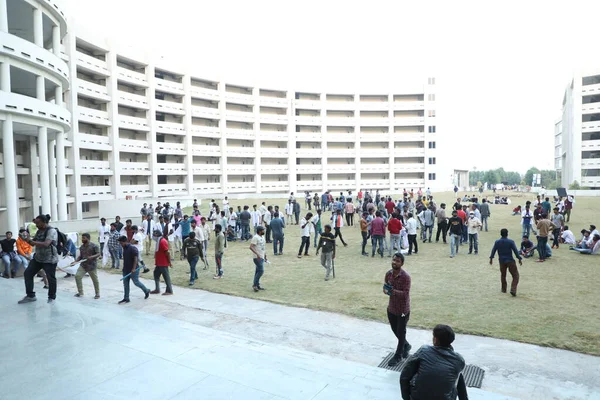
(219, 321)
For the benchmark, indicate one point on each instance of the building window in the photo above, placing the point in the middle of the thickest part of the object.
(431, 177)
(431, 97)
(431, 160)
(432, 129)
(431, 81)
(431, 145)
(162, 179)
(431, 113)
(85, 207)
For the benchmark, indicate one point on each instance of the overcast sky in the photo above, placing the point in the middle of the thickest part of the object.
(501, 67)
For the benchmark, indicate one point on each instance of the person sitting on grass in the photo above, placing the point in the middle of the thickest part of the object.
(567, 237)
(435, 372)
(527, 247)
(585, 238)
(516, 210)
(594, 248)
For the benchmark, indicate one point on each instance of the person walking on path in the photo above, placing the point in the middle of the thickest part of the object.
(45, 257)
(90, 253)
(257, 247)
(544, 226)
(442, 223)
(131, 268)
(455, 224)
(411, 230)
(162, 262)
(193, 251)
(484, 209)
(473, 225)
(338, 222)
(305, 227)
(435, 372)
(219, 249)
(397, 287)
(327, 243)
(505, 248)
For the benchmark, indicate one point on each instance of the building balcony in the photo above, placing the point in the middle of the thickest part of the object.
(247, 134)
(374, 106)
(239, 116)
(97, 192)
(309, 153)
(337, 152)
(407, 121)
(309, 136)
(173, 128)
(135, 189)
(94, 142)
(170, 148)
(274, 101)
(205, 112)
(308, 104)
(275, 186)
(274, 169)
(25, 106)
(91, 64)
(133, 77)
(309, 168)
(383, 183)
(309, 185)
(206, 169)
(169, 107)
(273, 135)
(204, 93)
(92, 90)
(238, 169)
(273, 118)
(170, 169)
(134, 123)
(408, 183)
(92, 116)
(408, 152)
(213, 187)
(590, 108)
(241, 151)
(241, 187)
(134, 146)
(590, 145)
(273, 152)
(134, 168)
(341, 184)
(132, 100)
(238, 98)
(94, 167)
(308, 120)
(172, 188)
(205, 131)
(590, 163)
(408, 137)
(169, 86)
(409, 167)
(408, 105)
(590, 181)
(371, 168)
(344, 121)
(338, 168)
(590, 89)
(340, 105)
(374, 137)
(206, 150)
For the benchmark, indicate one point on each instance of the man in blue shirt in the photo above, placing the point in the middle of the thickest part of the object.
(505, 248)
(277, 225)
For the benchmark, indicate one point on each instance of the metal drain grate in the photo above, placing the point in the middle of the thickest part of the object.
(473, 374)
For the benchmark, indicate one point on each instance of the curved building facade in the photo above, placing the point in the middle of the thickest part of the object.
(141, 128)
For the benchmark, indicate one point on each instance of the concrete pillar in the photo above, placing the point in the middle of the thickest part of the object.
(38, 27)
(58, 95)
(40, 88)
(3, 16)
(52, 168)
(291, 135)
(188, 140)
(61, 184)
(56, 40)
(44, 172)
(4, 76)
(34, 170)
(223, 139)
(10, 176)
(256, 126)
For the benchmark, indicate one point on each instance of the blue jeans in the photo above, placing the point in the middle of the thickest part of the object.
(114, 255)
(245, 232)
(317, 234)
(526, 230)
(277, 239)
(260, 270)
(16, 263)
(454, 242)
(377, 239)
(484, 222)
(218, 262)
(465, 235)
(135, 277)
(426, 229)
(193, 274)
(473, 241)
(541, 246)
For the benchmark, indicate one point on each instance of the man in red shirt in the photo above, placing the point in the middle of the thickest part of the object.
(162, 262)
(389, 206)
(394, 226)
(397, 286)
(462, 214)
(377, 233)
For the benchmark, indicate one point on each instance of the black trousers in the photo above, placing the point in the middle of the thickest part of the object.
(442, 228)
(32, 269)
(349, 219)
(365, 236)
(412, 241)
(268, 234)
(555, 236)
(398, 324)
(305, 245)
(338, 232)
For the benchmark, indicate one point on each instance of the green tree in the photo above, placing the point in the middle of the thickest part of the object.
(529, 175)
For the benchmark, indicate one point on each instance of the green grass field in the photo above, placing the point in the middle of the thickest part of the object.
(556, 306)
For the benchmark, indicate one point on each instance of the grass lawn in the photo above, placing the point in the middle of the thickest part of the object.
(557, 303)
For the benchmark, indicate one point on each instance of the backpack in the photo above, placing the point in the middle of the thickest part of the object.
(61, 240)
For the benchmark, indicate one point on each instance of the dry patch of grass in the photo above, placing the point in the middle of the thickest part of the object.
(556, 306)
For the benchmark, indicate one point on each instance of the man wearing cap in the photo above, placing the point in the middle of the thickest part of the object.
(505, 248)
(103, 232)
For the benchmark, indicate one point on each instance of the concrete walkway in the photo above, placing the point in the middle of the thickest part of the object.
(512, 369)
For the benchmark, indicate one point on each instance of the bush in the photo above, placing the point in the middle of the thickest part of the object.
(574, 186)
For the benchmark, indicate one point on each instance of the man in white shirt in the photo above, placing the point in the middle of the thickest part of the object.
(262, 208)
(103, 232)
(231, 220)
(266, 219)
(411, 230)
(257, 247)
(256, 218)
(226, 206)
(138, 242)
(289, 211)
(567, 237)
(148, 228)
(305, 227)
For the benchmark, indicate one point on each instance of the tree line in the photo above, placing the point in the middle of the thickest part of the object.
(494, 176)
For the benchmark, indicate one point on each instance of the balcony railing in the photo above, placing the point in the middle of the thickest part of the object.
(205, 112)
(310, 185)
(134, 168)
(205, 131)
(274, 169)
(169, 107)
(172, 187)
(174, 128)
(207, 186)
(135, 188)
(96, 191)
(94, 142)
(169, 86)
(133, 100)
(169, 148)
(92, 89)
(206, 169)
(204, 93)
(588, 163)
(135, 123)
(201, 150)
(134, 146)
(94, 167)
(91, 63)
(93, 116)
(170, 168)
(130, 76)
(590, 144)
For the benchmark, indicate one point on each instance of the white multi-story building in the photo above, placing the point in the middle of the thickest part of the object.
(577, 134)
(86, 121)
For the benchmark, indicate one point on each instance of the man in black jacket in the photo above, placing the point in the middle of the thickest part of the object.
(435, 372)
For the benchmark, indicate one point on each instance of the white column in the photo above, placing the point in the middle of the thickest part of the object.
(10, 175)
(223, 140)
(40, 88)
(56, 40)
(35, 170)
(188, 140)
(61, 184)
(4, 76)
(3, 16)
(52, 167)
(58, 95)
(44, 172)
(38, 27)
(291, 137)
(256, 126)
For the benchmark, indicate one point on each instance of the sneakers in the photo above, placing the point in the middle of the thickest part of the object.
(513, 294)
(217, 277)
(50, 301)
(96, 297)
(124, 301)
(147, 294)
(146, 270)
(191, 283)
(299, 255)
(255, 288)
(155, 292)
(167, 294)
(27, 299)
(77, 295)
